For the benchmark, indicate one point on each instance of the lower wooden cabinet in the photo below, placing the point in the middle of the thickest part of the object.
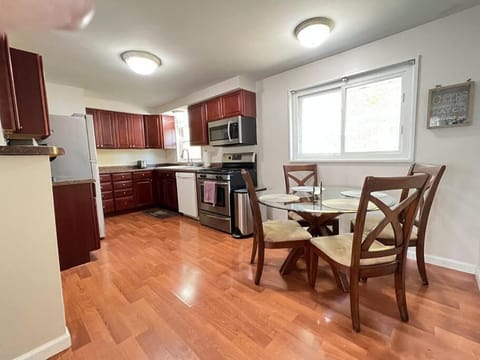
(166, 189)
(76, 223)
(143, 188)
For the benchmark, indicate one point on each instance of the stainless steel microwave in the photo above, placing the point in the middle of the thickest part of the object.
(239, 130)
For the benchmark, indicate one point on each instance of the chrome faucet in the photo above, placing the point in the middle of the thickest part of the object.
(189, 163)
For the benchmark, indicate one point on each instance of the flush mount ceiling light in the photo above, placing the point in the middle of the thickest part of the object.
(141, 62)
(314, 31)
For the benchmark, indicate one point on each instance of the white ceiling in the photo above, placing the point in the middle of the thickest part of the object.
(204, 42)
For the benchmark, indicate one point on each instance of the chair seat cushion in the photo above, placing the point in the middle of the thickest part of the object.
(339, 248)
(284, 230)
(387, 233)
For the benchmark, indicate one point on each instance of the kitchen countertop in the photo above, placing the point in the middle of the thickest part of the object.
(66, 182)
(166, 167)
(27, 150)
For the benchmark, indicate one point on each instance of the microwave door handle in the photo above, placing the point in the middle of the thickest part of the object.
(228, 131)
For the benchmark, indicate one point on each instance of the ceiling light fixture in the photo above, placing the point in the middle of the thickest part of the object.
(312, 32)
(141, 62)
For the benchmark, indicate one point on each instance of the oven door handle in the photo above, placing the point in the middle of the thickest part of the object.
(228, 131)
(216, 182)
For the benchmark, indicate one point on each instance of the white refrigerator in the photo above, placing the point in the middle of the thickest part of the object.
(77, 136)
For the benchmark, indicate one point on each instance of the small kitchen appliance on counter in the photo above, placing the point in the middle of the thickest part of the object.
(141, 164)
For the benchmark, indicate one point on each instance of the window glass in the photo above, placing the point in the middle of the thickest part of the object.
(367, 117)
(183, 139)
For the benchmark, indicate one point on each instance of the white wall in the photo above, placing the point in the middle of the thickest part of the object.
(65, 100)
(449, 54)
(31, 302)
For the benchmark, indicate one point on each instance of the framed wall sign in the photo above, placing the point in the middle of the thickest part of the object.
(450, 106)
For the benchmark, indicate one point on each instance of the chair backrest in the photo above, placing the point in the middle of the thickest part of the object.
(300, 175)
(401, 216)
(257, 216)
(436, 172)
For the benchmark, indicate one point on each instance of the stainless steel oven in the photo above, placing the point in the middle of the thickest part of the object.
(220, 215)
(239, 130)
(222, 193)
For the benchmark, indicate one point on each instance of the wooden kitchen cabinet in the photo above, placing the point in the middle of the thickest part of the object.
(104, 128)
(166, 189)
(153, 131)
(241, 102)
(31, 97)
(143, 188)
(213, 109)
(198, 124)
(136, 131)
(121, 125)
(107, 193)
(160, 132)
(8, 105)
(169, 133)
(76, 223)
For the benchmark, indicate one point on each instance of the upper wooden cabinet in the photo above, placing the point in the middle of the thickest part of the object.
(197, 121)
(122, 127)
(136, 132)
(237, 103)
(241, 102)
(153, 131)
(8, 105)
(160, 132)
(169, 134)
(214, 109)
(104, 129)
(23, 99)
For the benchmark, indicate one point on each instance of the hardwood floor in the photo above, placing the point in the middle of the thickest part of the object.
(173, 289)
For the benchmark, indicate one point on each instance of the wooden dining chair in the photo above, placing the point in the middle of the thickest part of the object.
(272, 234)
(360, 254)
(417, 239)
(305, 175)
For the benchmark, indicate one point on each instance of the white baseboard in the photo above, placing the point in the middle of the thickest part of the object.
(48, 349)
(447, 263)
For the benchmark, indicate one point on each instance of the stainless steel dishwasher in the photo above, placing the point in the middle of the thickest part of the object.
(187, 194)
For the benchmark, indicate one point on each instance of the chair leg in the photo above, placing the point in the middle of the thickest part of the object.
(400, 293)
(355, 301)
(313, 263)
(261, 257)
(254, 250)
(420, 252)
(341, 279)
(307, 260)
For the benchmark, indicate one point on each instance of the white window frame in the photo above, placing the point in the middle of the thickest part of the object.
(407, 70)
(181, 117)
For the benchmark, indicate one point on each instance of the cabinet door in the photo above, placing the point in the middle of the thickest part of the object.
(143, 192)
(153, 131)
(8, 105)
(172, 199)
(30, 93)
(169, 135)
(240, 102)
(121, 126)
(106, 123)
(136, 131)
(77, 233)
(96, 127)
(213, 109)
(197, 124)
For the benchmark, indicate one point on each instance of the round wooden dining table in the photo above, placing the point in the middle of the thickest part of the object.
(325, 204)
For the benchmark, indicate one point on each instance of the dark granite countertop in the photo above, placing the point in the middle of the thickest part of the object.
(133, 168)
(28, 150)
